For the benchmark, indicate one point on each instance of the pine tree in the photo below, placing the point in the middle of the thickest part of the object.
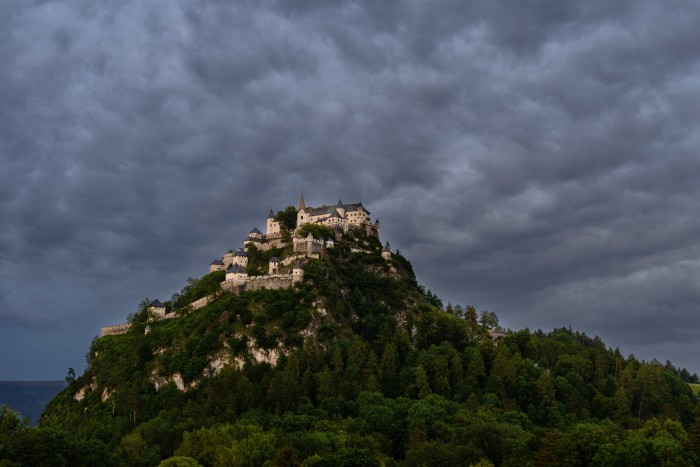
(422, 388)
(370, 374)
(477, 370)
(389, 371)
(441, 377)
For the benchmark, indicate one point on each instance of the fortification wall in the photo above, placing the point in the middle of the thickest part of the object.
(232, 286)
(290, 259)
(114, 330)
(270, 243)
(197, 304)
(278, 281)
(275, 281)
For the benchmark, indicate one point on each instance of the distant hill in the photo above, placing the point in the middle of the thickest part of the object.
(29, 397)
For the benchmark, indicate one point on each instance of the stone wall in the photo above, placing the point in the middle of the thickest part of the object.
(270, 243)
(197, 304)
(275, 281)
(114, 330)
(291, 259)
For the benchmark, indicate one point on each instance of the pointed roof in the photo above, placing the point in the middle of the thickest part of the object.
(302, 206)
(240, 253)
(157, 304)
(218, 262)
(274, 259)
(255, 231)
(340, 203)
(271, 215)
(336, 214)
(329, 239)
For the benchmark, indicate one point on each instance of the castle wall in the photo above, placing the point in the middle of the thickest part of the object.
(291, 259)
(279, 281)
(114, 330)
(270, 243)
(307, 245)
(275, 281)
(228, 260)
(197, 304)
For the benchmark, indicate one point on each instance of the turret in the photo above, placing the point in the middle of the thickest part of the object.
(255, 237)
(237, 273)
(273, 267)
(297, 273)
(216, 265)
(340, 208)
(302, 215)
(386, 253)
(270, 227)
(156, 310)
(240, 257)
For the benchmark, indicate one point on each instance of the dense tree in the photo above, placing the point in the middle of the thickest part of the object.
(287, 218)
(357, 365)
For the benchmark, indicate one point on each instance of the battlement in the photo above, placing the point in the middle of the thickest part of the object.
(114, 330)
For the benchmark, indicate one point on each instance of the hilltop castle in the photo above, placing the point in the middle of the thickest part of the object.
(339, 218)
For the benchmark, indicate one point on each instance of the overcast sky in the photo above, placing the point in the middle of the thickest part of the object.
(537, 159)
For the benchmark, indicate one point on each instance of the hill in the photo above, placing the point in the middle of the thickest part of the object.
(29, 397)
(356, 365)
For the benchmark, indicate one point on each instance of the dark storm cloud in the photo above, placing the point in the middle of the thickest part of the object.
(538, 159)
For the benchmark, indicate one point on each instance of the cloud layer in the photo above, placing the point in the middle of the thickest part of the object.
(536, 159)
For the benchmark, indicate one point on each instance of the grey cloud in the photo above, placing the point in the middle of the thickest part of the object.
(537, 159)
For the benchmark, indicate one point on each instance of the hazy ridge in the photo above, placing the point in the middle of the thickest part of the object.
(29, 397)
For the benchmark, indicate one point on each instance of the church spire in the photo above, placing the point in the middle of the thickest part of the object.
(302, 206)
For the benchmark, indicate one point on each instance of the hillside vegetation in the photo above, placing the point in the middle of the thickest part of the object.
(357, 365)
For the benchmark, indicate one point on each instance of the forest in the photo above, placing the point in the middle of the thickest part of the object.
(365, 368)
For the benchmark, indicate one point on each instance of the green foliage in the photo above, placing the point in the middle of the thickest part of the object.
(287, 218)
(358, 365)
(259, 260)
(318, 231)
(10, 423)
(198, 288)
(179, 461)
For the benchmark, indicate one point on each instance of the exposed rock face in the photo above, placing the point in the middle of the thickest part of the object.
(80, 395)
(162, 381)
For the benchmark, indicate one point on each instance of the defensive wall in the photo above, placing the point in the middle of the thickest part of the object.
(114, 330)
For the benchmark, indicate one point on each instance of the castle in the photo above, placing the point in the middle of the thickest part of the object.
(339, 218)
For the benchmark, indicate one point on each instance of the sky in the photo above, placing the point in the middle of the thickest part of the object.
(536, 159)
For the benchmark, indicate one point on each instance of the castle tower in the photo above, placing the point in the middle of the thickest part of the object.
(216, 265)
(255, 237)
(340, 208)
(302, 216)
(386, 253)
(156, 310)
(240, 257)
(270, 221)
(237, 274)
(273, 267)
(297, 274)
